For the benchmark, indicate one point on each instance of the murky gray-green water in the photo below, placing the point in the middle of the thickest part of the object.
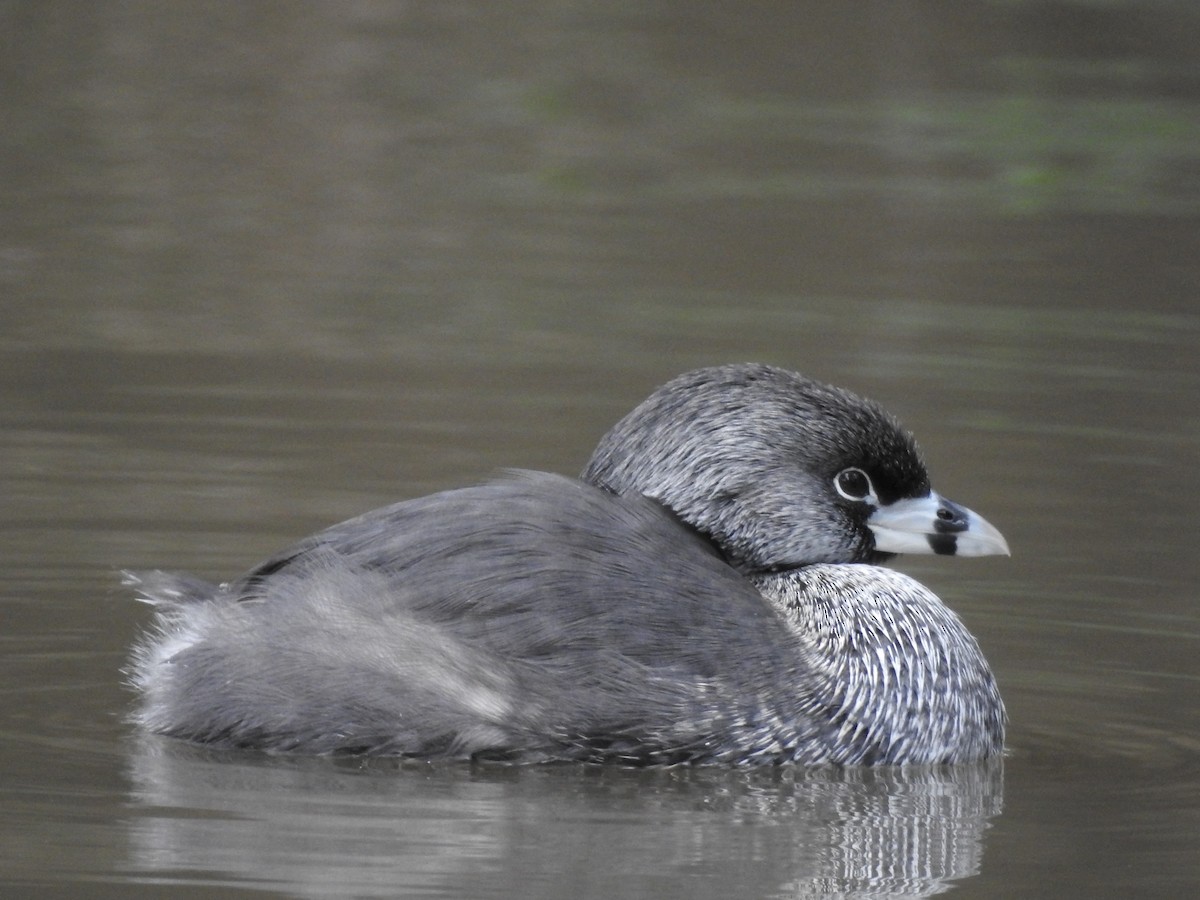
(264, 266)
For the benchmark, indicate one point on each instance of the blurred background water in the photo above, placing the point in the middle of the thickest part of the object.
(265, 266)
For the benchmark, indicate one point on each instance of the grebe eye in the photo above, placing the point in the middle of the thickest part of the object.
(854, 484)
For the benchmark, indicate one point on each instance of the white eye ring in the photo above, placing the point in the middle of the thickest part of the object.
(854, 484)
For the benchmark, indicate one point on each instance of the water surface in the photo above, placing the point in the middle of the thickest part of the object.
(267, 267)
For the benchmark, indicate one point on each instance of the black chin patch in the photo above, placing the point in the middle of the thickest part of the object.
(943, 544)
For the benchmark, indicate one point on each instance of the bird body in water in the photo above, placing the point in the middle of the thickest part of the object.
(706, 593)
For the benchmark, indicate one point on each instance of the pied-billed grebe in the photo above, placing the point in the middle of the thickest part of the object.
(699, 596)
